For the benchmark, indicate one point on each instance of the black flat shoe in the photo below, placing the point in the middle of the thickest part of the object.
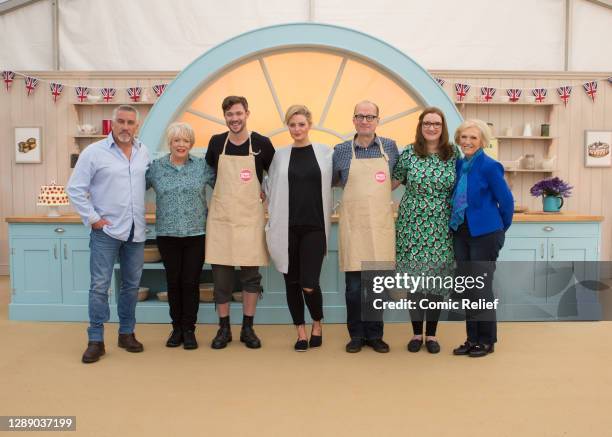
(378, 345)
(189, 340)
(480, 350)
(175, 339)
(315, 341)
(464, 349)
(301, 346)
(433, 347)
(414, 345)
(354, 345)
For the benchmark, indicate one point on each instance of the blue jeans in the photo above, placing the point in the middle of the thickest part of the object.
(358, 328)
(104, 253)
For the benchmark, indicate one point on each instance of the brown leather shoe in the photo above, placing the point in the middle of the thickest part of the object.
(129, 343)
(95, 349)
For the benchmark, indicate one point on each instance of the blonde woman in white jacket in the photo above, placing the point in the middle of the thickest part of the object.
(298, 190)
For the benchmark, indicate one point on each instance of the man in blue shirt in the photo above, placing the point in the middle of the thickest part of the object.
(107, 189)
(362, 166)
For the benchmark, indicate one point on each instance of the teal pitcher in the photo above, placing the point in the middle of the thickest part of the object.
(552, 203)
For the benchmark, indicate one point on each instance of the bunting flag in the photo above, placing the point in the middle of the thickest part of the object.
(134, 93)
(159, 89)
(82, 92)
(590, 88)
(539, 94)
(56, 90)
(487, 93)
(108, 94)
(564, 93)
(514, 94)
(8, 77)
(30, 83)
(462, 89)
(440, 80)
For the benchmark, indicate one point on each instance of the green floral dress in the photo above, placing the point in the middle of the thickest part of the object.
(424, 243)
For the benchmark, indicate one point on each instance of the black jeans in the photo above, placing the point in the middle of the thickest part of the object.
(183, 258)
(358, 328)
(476, 256)
(306, 252)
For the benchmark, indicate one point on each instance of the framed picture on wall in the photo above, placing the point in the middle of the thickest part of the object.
(28, 146)
(597, 148)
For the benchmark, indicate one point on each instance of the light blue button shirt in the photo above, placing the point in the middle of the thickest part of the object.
(105, 184)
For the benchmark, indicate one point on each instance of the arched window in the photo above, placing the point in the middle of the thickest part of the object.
(327, 68)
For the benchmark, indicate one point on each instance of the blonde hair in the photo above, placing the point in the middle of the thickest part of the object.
(485, 132)
(298, 110)
(180, 130)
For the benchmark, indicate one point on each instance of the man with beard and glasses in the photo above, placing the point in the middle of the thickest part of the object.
(107, 189)
(236, 218)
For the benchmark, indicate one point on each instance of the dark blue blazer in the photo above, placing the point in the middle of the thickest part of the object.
(490, 202)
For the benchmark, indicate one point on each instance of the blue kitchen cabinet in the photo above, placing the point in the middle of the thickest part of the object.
(35, 271)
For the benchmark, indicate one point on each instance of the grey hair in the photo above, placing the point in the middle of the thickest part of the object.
(180, 130)
(126, 108)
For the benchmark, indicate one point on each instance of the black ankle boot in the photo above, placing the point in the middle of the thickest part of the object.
(224, 334)
(247, 334)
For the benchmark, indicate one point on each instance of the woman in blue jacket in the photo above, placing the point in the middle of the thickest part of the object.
(482, 209)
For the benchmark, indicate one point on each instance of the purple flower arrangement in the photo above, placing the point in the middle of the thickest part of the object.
(551, 187)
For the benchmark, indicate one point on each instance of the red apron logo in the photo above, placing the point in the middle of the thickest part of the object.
(245, 175)
(380, 176)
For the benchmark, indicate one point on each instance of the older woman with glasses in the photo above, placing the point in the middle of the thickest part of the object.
(424, 244)
(482, 210)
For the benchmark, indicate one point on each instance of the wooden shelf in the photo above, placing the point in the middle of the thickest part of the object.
(88, 136)
(522, 170)
(518, 137)
(112, 103)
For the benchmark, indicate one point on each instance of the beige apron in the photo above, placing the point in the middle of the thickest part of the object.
(367, 226)
(235, 225)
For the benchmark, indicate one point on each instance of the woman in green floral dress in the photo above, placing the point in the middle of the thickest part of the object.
(424, 244)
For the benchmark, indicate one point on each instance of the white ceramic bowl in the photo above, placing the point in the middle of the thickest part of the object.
(162, 296)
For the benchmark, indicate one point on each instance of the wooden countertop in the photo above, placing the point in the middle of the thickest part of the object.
(529, 217)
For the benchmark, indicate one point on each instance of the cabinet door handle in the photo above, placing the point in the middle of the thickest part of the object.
(55, 251)
(541, 250)
(548, 228)
(552, 250)
(60, 230)
(65, 251)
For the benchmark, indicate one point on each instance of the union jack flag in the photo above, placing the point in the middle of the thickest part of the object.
(31, 83)
(56, 90)
(487, 93)
(440, 80)
(159, 89)
(590, 88)
(462, 89)
(564, 93)
(8, 77)
(108, 94)
(514, 94)
(134, 93)
(82, 92)
(539, 94)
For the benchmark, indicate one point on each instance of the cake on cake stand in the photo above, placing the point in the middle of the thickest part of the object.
(53, 196)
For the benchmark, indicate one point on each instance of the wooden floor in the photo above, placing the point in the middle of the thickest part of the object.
(545, 379)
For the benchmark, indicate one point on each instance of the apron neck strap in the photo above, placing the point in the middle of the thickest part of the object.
(227, 139)
(377, 141)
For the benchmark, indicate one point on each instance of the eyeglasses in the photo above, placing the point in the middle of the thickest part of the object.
(362, 117)
(435, 124)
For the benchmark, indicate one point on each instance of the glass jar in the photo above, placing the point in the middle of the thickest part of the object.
(528, 162)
